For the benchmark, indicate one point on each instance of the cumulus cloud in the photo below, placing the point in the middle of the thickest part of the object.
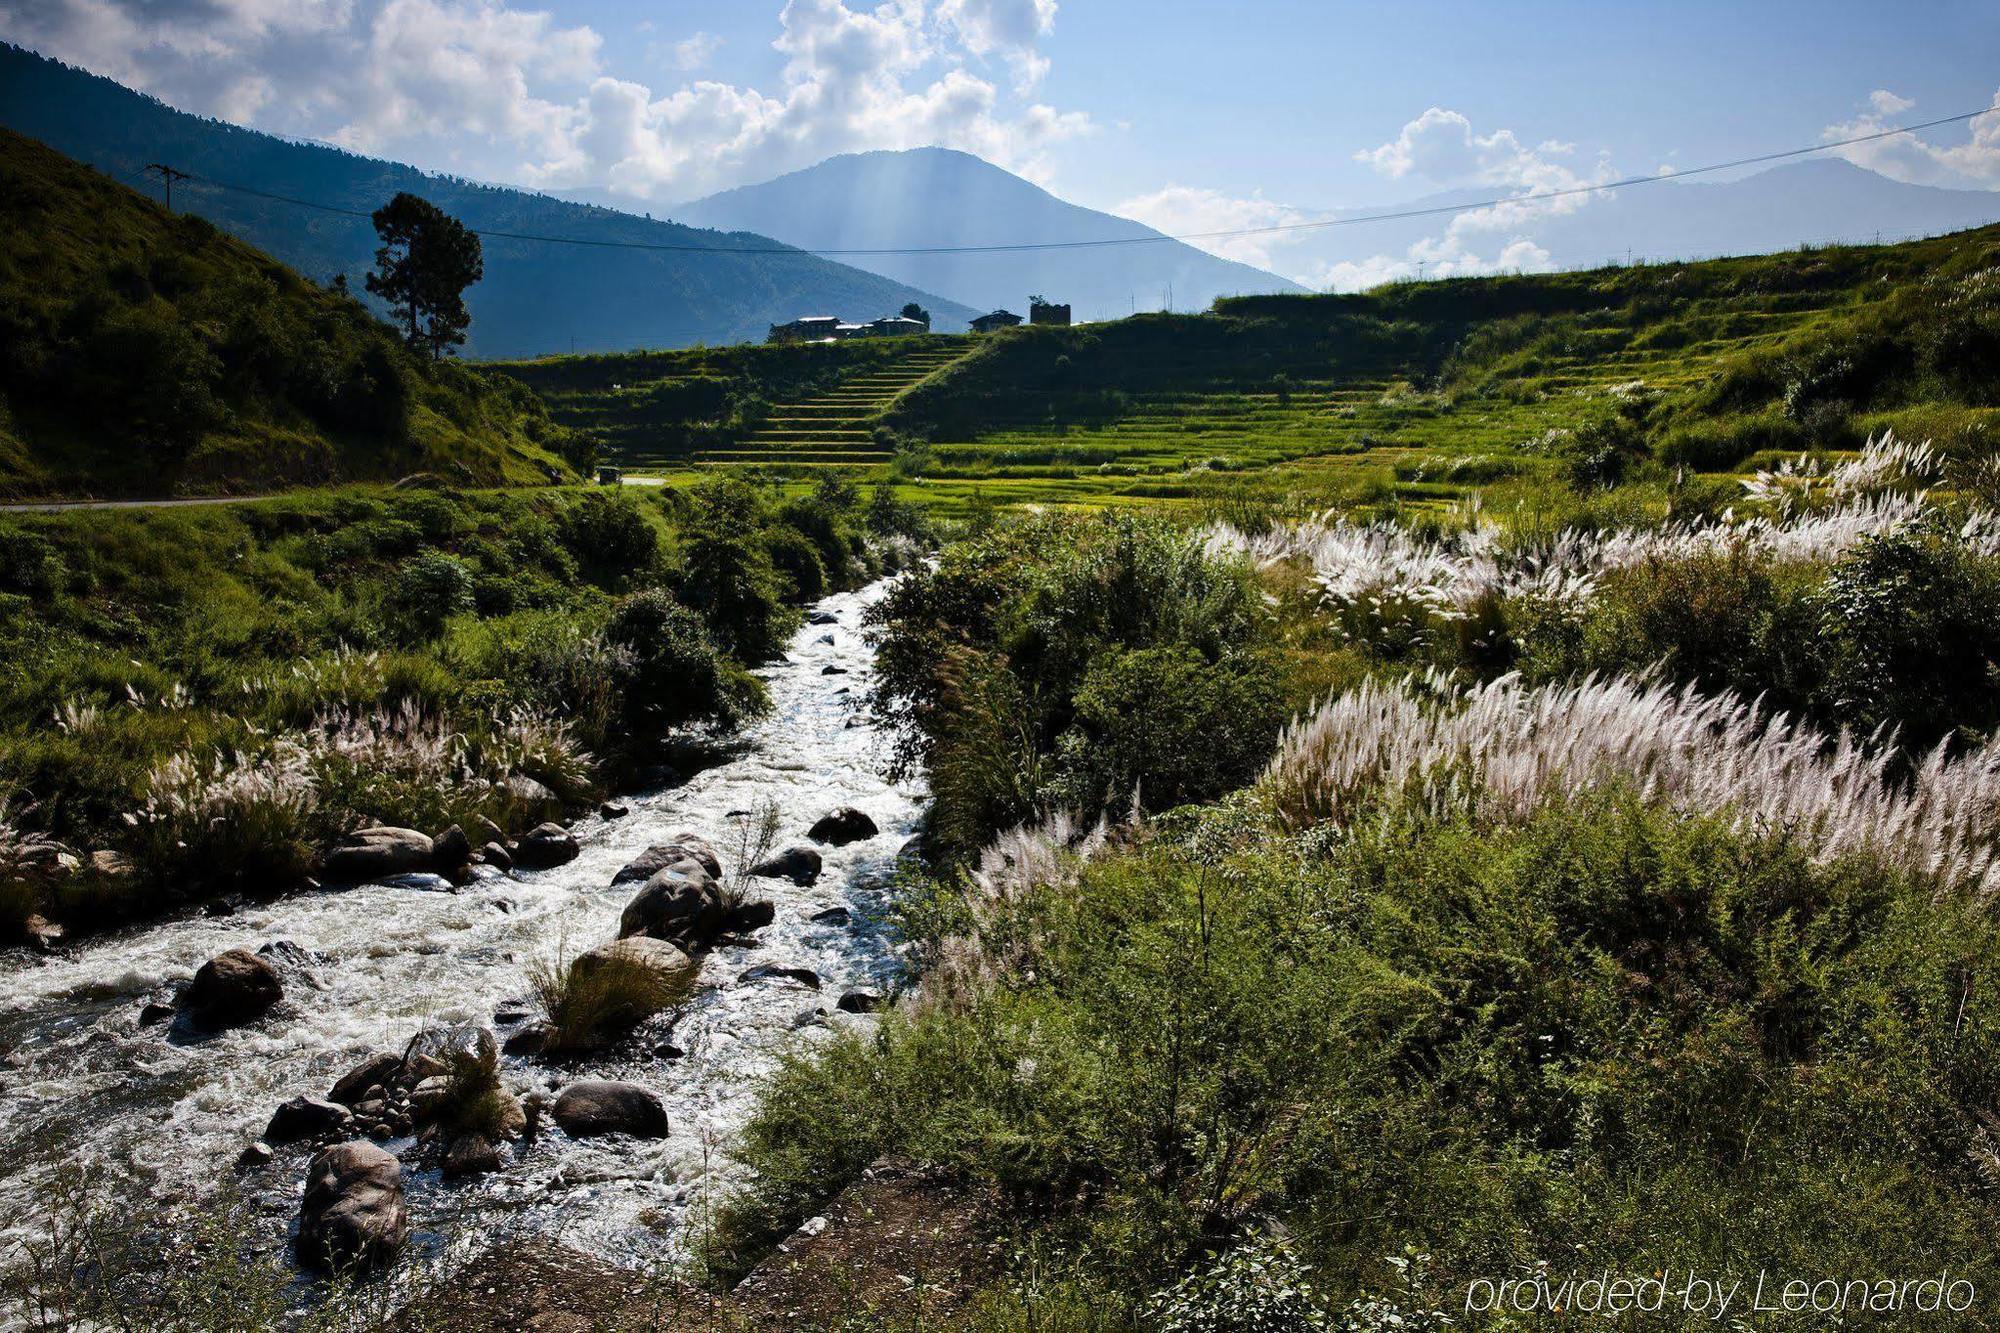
(1183, 210)
(1912, 158)
(482, 87)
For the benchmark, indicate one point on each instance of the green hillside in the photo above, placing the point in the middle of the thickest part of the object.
(1419, 392)
(149, 354)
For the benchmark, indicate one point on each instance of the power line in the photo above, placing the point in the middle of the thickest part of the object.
(1439, 210)
(167, 177)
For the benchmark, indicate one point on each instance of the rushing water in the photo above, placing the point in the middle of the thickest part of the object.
(82, 1080)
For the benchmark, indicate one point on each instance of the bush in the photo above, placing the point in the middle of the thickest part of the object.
(428, 590)
(668, 671)
(589, 1007)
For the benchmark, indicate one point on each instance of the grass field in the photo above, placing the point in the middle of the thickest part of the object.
(1411, 395)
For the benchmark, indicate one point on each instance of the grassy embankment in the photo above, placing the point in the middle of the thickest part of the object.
(148, 354)
(1484, 975)
(1414, 394)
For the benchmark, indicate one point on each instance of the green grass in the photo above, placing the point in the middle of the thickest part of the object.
(143, 353)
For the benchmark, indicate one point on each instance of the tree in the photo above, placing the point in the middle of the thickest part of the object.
(426, 261)
(918, 313)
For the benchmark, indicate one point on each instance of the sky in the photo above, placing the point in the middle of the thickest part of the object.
(1190, 115)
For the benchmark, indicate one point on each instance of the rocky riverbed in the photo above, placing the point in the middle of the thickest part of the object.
(94, 1073)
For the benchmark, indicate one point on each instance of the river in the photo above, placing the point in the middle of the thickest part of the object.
(164, 1117)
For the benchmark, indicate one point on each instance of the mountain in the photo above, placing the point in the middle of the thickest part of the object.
(937, 197)
(536, 298)
(1809, 202)
(143, 353)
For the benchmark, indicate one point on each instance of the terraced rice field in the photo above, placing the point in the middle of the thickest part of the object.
(835, 428)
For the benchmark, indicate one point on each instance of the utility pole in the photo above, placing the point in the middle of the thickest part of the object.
(167, 177)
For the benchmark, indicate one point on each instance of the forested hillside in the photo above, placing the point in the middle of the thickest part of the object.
(143, 353)
(536, 298)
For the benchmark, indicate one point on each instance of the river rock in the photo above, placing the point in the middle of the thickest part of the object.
(42, 934)
(450, 850)
(842, 826)
(531, 793)
(379, 1069)
(470, 1154)
(602, 1107)
(439, 1050)
(371, 853)
(832, 916)
(822, 618)
(804, 976)
(255, 1155)
(230, 989)
(743, 917)
(682, 846)
(613, 810)
(860, 1002)
(307, 1118)
(668, 962)
(680, 904)
(531, 1040)
(486, 830)
(800, 865)
(423, 881)
(545, 846)
(833, 671)
(497, 856)
(352, 1217)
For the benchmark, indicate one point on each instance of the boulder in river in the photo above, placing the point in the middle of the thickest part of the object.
(860, 1002)
(545, 846)
(371, 853)
(743, 917)
(231, 989)
(379, 1069)
(438, 1050)
(668, 962)
(307, 1118)
(470, 1154)
(840, 827)
(680, 904)
(800, 865)
(822, 618)
(497, 856)
(599, 1106)
(42, 934)
(681, 847)
(531, 793)
(804, 976)
(352, 1217)
(450, 850)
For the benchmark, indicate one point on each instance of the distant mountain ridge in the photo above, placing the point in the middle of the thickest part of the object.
(536, 298)
(939, 197)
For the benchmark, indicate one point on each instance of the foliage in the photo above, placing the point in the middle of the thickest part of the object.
(426, 261)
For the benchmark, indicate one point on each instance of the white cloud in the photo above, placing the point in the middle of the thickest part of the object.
(694, 52)
(1913, 159)
(1182, 210)
(483, 87)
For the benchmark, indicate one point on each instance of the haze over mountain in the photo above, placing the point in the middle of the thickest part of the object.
(1799, 203)
(924, 197)
(536, 298)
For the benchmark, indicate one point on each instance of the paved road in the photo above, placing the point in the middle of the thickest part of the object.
(58, 506)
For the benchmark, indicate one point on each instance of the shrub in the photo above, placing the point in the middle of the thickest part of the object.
(588, 1007)
(428, 590)
(668, 671)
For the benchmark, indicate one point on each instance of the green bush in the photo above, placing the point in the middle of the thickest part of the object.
(428, 591)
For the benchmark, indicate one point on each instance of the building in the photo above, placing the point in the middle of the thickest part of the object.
(609, 476)
(845, 331)
(999, 319)
(1041, 312)
(896, 326)
(810, 328)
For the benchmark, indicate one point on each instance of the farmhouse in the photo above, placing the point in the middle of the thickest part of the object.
(999, 319)
(809, 328)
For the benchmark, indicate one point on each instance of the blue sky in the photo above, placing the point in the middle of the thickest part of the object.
(1188, 115)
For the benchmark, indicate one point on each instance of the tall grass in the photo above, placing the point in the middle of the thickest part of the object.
(1501, 750)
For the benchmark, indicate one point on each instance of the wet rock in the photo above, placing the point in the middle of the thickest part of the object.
(218, 907)
(511, 1012)
(358, 1083)
(352, 1217)
(371, 853)
(428, 1097)
(812, 1017)
(680, 847)
(450, 850)
(824, 638)
(822, 618)
(546, 846)
(230, 989)
(680, 904)
(470, 1154)
(745, 917)
(603, 1107)
(497, 856)
(804, 976)
(381, 1132)
(486, 830)
(531, 1040)
(307, 1118)
(42, 934)
(154, 1012)
(613, 810)
(800, 865)
(287, 954)
(257, 1154)
(859, 1002)
(527, 791)
(916, 850)
(441, 1049)
(833, 916)
(842, 826)
(669, 963)
(423, 881)
(833, 671)
(657, 777)
(666, 1050)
